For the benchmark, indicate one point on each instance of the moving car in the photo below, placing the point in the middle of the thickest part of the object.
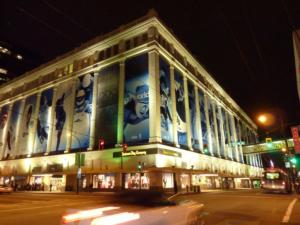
(153, 209)
(276, 180)
(5, 189)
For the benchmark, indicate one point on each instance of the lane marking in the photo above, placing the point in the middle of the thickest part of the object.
(289, 210)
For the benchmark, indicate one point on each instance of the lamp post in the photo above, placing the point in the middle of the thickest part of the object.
(268, 120)
(78, 177)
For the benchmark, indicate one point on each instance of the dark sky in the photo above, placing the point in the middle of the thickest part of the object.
(246, 45)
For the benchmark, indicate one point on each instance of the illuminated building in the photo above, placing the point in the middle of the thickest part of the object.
(137, 86)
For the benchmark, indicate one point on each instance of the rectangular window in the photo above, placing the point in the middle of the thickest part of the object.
(137, 181)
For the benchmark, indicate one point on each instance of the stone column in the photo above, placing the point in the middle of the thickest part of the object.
(198, 119)
(235, 138)
(93, 115)
(154, 98)
(121, 103)
(187, 113)
(222, 138)
(174, 112)
(208, 125)
(216, 128)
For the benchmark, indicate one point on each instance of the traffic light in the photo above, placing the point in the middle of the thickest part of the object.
(140, 166)
(205, 148)
(269, 142)
(124, 146)
(293, 160)
(101, 144)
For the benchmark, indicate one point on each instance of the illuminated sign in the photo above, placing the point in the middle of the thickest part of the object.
(134, 153)
(146, 152)
(264, 147)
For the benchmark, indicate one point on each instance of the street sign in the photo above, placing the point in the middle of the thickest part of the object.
(295, 134)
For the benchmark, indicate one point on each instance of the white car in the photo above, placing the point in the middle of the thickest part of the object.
(154, 212)
(5, 189)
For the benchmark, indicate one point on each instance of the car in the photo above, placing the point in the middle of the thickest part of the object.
(153, 208)
(5, 189)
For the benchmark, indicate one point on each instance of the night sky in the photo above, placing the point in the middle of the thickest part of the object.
(246, 45)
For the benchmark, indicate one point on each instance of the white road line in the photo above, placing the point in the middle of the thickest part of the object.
(289, 210)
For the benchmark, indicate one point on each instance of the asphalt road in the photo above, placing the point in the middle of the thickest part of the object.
(221, 208)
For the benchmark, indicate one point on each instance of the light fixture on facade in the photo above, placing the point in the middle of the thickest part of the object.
(19, 57)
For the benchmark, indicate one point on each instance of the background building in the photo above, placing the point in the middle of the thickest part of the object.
(137, 86)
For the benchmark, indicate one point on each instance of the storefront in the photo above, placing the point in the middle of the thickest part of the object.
(242, 183)
(5, 180)
(206, 181)
(104, 181)
(136, 181)
(168, 180)
(47, 182)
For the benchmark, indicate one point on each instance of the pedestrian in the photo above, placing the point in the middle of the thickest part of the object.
(50, 187)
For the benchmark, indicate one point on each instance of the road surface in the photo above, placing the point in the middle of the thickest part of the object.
(247, 207)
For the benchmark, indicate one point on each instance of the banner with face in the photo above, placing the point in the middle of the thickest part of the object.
(136, 100)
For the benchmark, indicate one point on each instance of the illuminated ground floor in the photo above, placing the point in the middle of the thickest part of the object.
(149, 167)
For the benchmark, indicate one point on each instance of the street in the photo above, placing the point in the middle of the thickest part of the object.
(235, 207)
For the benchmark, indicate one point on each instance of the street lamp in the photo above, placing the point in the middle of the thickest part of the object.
(69, 134)
(268, 119)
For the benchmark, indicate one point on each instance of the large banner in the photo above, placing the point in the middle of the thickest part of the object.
(43, 121)
(10, 148)
(165, 102)
(136, 100)
(26, 135)
(180, 109)
(192, 111)
(107, 105)
(82, 112)
(203, 118)
(3, 125)
(62, 111)
(220, 130)
(210, 109)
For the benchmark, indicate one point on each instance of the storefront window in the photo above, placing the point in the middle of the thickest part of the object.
(137, 181)
(168, 181)
(185, 180)
(104, 181)
(47, 183)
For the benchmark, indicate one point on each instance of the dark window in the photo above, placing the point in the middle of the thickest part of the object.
(135, 41)
(127, 45)
(115, 49)
(108, 52)
(145, 37)
(101, 55)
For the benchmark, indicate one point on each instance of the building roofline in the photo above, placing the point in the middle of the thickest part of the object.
(150, 18)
